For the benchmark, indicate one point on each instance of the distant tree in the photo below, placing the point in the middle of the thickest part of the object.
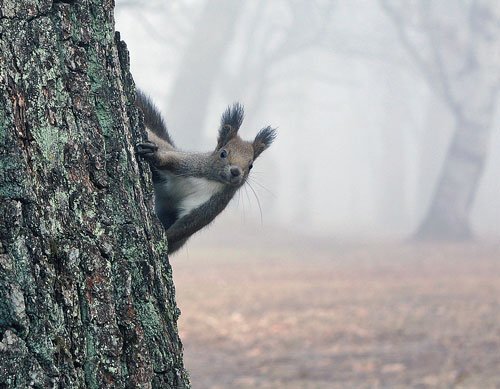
(455, 46)
(268, 44)
(200, 67)
(86, 290)
(201, 70)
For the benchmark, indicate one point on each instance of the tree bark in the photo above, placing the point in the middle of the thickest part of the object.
(448, 214)
(86, 291)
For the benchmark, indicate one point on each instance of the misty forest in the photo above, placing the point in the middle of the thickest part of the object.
(360, 251)
(386, 109)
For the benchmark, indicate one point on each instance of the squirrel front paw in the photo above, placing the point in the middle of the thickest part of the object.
(157, 156)
(146, 150)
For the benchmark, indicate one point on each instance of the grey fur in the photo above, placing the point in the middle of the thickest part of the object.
(191, 189)
(152, 116)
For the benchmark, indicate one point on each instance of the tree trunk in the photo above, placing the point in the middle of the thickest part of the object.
(86, 291)
(199, 68)
(448, 215)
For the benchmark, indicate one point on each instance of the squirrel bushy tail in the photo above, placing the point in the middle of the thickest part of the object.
(152, 116)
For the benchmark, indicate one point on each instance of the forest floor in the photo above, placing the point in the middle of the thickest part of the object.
(299, 314)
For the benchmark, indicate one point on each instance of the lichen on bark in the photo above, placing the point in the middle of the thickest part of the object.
(86, 290)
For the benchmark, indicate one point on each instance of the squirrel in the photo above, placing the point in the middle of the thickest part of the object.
(191, 189)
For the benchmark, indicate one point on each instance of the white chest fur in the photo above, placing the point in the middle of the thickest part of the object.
(188, 193)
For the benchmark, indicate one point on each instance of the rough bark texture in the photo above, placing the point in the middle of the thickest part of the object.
(86, 291)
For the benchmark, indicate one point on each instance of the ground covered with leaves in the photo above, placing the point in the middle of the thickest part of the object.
(313, 314)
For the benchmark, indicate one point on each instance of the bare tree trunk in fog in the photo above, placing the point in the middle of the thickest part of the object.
(454, 56)
(448, 214)
(199, 69)
(86, 291)
(263, 52)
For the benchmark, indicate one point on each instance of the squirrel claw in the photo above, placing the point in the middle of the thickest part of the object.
(146, 149)
(147, 145)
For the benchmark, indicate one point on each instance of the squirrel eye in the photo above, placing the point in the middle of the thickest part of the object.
(250, 167)
(223, 154)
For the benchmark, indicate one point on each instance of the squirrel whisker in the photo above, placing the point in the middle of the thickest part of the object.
(191, 189)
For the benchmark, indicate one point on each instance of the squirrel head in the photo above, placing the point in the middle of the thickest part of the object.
(233, 157)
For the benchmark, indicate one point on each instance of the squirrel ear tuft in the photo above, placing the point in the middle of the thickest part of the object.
(233, 116)
(263, 140)
(230, 123)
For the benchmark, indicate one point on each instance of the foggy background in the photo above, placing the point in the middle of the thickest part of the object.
(388, 129)
(363, 129)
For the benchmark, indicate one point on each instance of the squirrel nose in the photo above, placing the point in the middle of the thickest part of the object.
(235, 171)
